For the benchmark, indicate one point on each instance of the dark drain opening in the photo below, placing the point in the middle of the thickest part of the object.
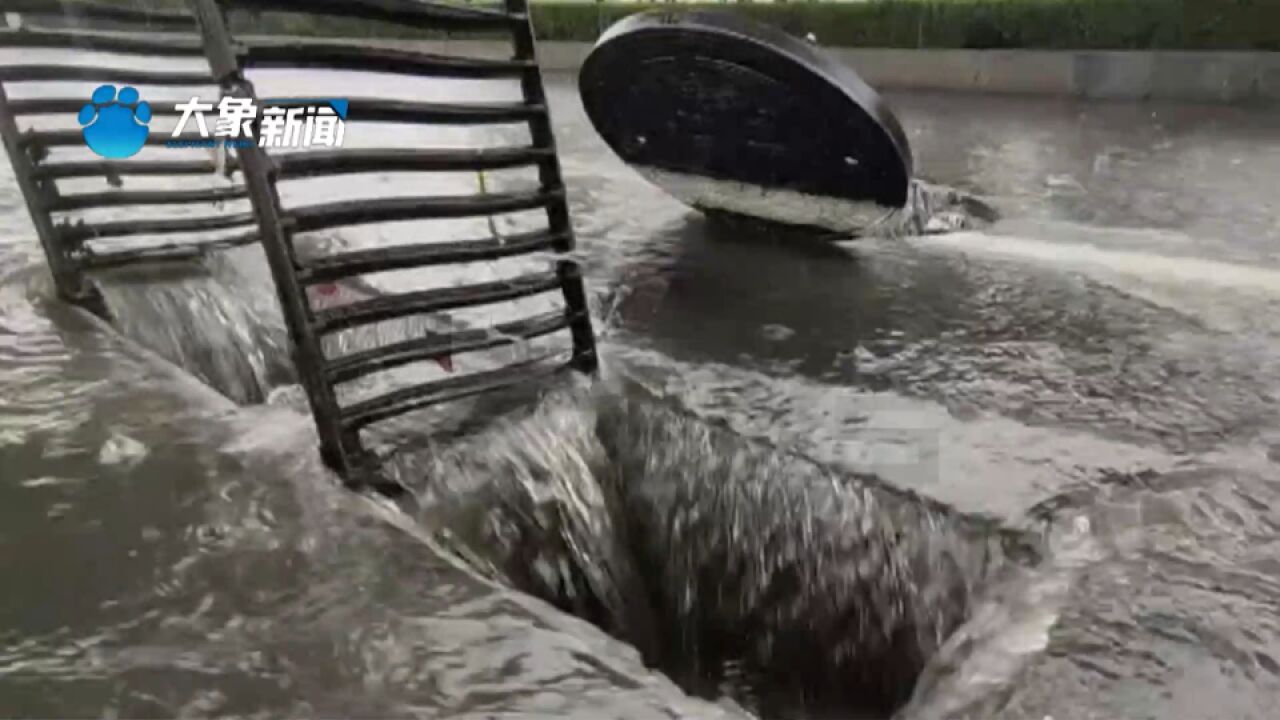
(736, 569)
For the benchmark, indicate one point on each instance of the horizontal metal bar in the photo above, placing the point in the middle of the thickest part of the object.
(53, 73)
(80, 10)
(345, 56)
(164, 253)
(414, 397)
(72, 138)
(360, 109)
(80, 232)
(381, 259)
(399, 111)
(388, 307)
(416, 13)
(434, 347)
(338, 162)
(109, 168)
(373, 210)
(58, 106)
(81, 201)
(101, 42)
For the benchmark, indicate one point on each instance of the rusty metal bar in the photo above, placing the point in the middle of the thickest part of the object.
(67, 275)
(91, 73)
(72, 138)
(414, 397)
(575, 296)
(374, 210)
(398, 111)
(340, 449)
(414, 13)
(76, 234)
(345, 56)
(58, 106)
(399, 257)
(118, 43)
(79, 9)
(432, 347)
(114, 168)
(337, 162)
(81, 201)
(165, 252)
(422, 302)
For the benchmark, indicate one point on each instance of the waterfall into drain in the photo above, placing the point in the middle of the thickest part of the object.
(233, 340)
(218, 318)
(736, 568)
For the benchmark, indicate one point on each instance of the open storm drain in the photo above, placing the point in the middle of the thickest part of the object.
(735, 568)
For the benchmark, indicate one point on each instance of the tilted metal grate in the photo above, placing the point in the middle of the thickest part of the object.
(205, 33)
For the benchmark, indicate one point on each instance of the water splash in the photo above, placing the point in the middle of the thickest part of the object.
(932, 210)
(737, 568)
(733, 566)
(233, 341)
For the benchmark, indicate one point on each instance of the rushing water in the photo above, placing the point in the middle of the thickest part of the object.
(1039, 454)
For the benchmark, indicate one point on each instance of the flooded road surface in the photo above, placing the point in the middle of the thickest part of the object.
(1101, 363)
(1110, 348)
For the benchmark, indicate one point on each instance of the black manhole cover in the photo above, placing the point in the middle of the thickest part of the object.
(729, 115)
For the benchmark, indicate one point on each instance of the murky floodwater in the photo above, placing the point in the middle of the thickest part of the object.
(1095, 375)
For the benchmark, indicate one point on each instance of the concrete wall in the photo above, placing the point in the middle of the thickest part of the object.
(1115, 75)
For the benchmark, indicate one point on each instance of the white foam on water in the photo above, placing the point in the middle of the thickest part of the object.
(1148, 266)
(120, 449)
(784, 206)
(1226, 296)
(912, 443)
(1004, 633)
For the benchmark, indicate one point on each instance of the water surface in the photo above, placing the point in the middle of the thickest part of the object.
(1102, 360)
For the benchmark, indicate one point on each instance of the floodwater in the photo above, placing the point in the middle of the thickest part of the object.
(1099, 368)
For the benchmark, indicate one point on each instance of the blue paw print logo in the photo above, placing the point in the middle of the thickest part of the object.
(115, 127)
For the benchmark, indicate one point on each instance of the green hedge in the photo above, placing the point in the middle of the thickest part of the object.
(1048, 24)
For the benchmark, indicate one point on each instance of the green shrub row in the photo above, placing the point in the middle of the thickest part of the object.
(1047, 24)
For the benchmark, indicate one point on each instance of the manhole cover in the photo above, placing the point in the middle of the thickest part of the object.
(726, 114)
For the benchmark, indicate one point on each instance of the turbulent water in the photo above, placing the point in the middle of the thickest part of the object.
(735, 567)
(1028, 465)
(740, 570)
